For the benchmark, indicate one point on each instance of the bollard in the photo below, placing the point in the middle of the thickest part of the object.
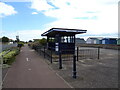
(98, 52)
(60, 61)
(74, 67)
(77, 52)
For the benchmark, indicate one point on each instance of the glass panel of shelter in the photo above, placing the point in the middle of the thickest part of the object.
(67, 39)
(64, 39)
(51, 39)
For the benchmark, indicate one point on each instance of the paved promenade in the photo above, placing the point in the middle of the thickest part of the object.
(31, 71)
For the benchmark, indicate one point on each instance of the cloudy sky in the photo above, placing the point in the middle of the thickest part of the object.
(30, 18)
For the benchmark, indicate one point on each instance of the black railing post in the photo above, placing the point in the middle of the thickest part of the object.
(51, 55)
(77, 53)
(60, 60)
(74, 66)
(44, 52)
(98, 52)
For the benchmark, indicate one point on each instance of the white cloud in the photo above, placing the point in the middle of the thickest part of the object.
(34, 13)
(30, 34)
(24, 35)
(75, 8)
(101, 15)
(40, 5)
(6, 10)
(68, 10)
(15, 0)
(92, 26)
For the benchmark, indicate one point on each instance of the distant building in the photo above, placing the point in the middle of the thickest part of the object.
(94, 40)
(11, 40)
(118, 41)
(17, 37)
(109, 41)
(36, 40)
(100, 41)
(80, 41)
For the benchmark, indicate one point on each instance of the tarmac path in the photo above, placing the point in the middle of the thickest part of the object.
(31, 71)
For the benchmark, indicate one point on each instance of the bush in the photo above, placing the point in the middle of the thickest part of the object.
(9, 58)
(20, 44)
(2, 53)
(43, 41)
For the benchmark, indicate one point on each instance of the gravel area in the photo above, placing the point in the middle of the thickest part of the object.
(91, 73)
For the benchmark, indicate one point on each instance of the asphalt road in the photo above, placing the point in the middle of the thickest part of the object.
(31, 71)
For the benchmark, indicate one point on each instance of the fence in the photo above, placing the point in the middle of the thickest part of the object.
(87, 53)
(7, 46)
(105, 46)
(80, 52)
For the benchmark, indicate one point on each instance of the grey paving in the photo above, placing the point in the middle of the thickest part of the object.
(92, 73)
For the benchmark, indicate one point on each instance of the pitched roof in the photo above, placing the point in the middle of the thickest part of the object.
(100, 38)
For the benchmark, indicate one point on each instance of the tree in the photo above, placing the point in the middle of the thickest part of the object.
(5, 39)
(30, 41)
(43, 41)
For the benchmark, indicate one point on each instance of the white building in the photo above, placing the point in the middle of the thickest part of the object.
(93, 40)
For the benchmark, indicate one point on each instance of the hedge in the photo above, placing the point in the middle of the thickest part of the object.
(9, 57)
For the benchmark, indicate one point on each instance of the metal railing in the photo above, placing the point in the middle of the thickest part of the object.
(79, 53)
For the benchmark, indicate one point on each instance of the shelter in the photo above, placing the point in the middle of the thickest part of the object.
(62, 39)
